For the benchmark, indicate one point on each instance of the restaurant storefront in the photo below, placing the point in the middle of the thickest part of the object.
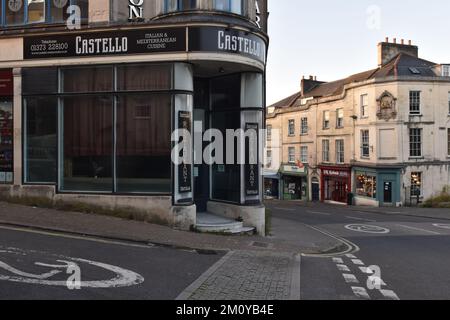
(97, 107)
(335, 183)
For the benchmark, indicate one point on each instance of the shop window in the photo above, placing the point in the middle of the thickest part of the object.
(234, 6)
(58, 10)
(6, 140)
(36, 11)
(40, 143)
(87, 79)
(365, 144)
(291, 128)
(179, 5)
(416, 183)
(144, 77)
(340, 156)
(415, 143)
(325, 150)
(87, 155)
(36, 81)
(14, 12)
(226, 92)
(143, 143)
(366, 185)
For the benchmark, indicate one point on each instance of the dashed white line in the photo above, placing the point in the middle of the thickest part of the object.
(350, 256)
(389, 294)
(418, 229)
(284, 209)
(360, 219)
(317, 212)
(350, 278)
(343, 267)
(338, 260)
(357, 262)
(361, 293)
(366, 270)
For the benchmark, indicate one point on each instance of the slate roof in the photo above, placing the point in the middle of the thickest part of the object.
(401, 65)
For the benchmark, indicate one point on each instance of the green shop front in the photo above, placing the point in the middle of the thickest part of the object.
(294, 182)
(377, 186)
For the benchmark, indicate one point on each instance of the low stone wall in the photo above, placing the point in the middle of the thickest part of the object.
(151, 209)
(252, 216)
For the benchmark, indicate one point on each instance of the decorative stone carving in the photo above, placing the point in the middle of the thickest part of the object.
(387, 106)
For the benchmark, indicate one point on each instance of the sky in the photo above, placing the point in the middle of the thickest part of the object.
(332, 39)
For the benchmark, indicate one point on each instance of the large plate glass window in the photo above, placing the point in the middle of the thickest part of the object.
(234, 6)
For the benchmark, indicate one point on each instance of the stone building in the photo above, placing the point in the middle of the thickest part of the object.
(91, 91)
(382, 135)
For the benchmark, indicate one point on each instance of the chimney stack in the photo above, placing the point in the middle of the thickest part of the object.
(309, 84)
(388, 51)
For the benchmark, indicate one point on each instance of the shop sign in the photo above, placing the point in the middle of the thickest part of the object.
(222, 40)
(136, 10)
(184, 169)
(251, 170)
(294, 169)
(336, 173)
(258, 14)
(6, 83)
(106, 43)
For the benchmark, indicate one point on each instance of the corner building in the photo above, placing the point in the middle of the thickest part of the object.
(87, 114)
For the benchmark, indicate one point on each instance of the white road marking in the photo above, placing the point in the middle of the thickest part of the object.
(367, 228)
(360, 219)
(343, 267)
(418, 229)
(443, 226)
(350, 256)
(389, 294)
(317, 212)
(366, 270)
(338, 260)
(68, 236)
(123, 277)
(350, 278)
(361, 293)
(377, 281)
(284, 209)
(357, 262)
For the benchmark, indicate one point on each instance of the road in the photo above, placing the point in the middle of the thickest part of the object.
(410, 255)
(34, 265)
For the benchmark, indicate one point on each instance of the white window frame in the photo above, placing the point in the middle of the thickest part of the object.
(340, 151)
(326, 151)
(304, 154)
(413, 101)
(365, 143)
(304, 126)
(448, 142)
(326, 120)
(291, 127)
(291, 154)
(340, 118)
(364, 105)
(414, 141)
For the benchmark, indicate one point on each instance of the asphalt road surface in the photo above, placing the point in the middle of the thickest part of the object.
(37, 265)
(389, 256)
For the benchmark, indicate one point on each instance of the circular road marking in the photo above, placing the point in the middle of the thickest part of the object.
(367, 228)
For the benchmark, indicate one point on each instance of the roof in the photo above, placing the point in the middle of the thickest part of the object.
(401, 65)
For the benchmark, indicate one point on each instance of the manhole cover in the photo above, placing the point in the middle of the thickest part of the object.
(367, 228)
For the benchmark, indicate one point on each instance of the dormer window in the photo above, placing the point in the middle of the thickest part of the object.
(446, 70)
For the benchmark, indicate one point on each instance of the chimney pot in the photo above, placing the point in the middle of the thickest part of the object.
(311, 78)
(395, 40)
(403, 41)
(387, 39)
(410, 42)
